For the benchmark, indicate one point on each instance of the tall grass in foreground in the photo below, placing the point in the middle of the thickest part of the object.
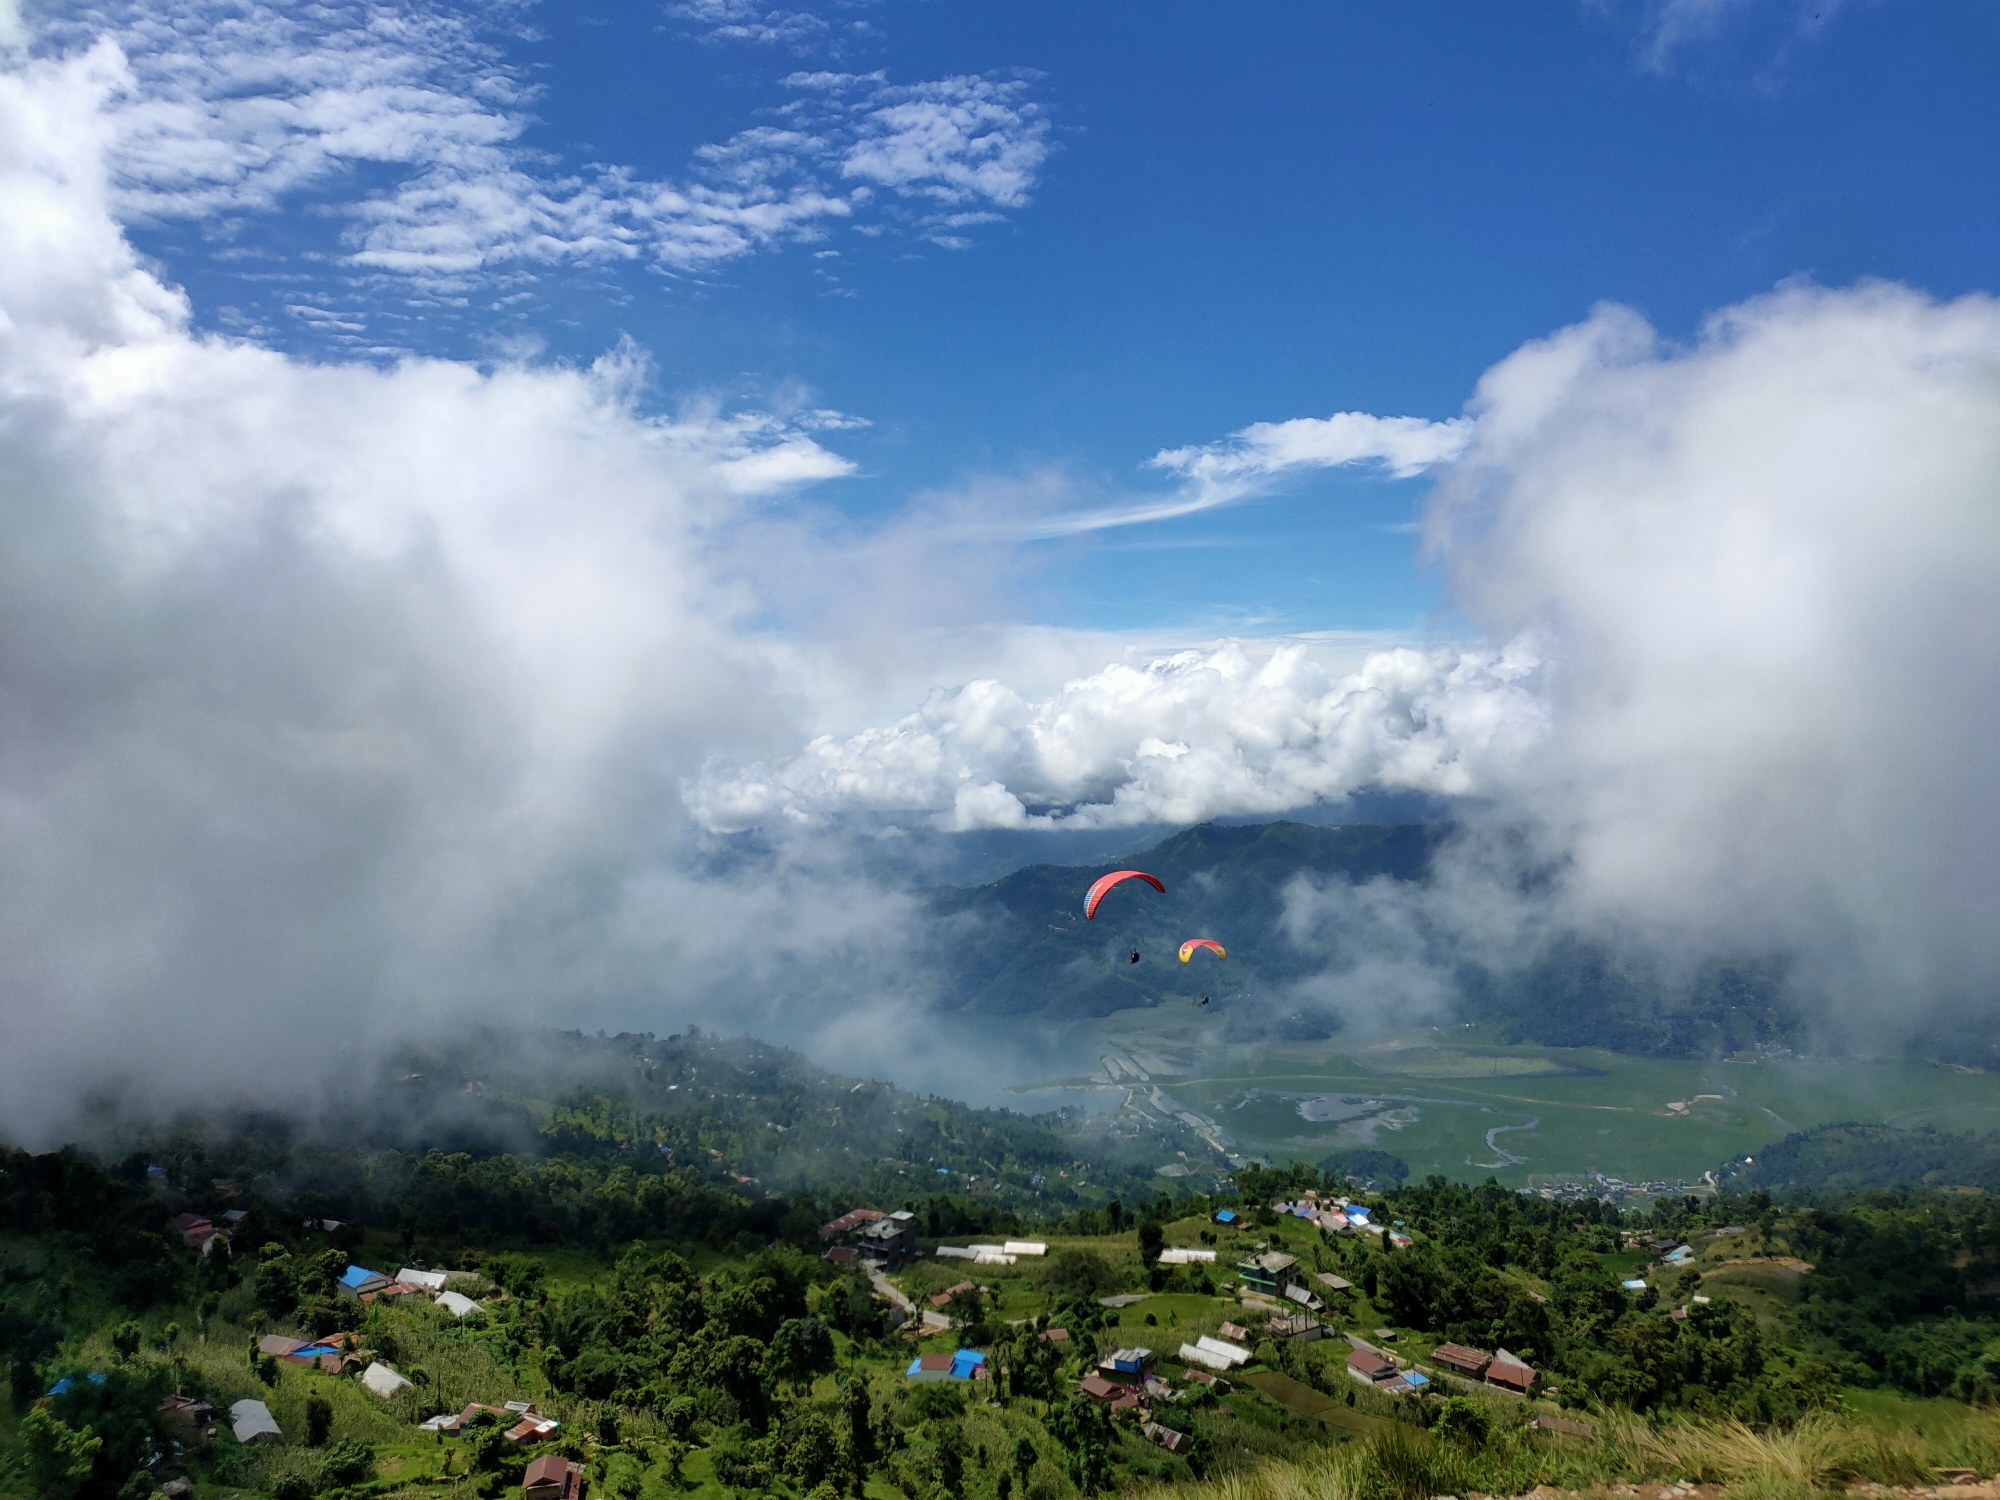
(1814, 1458)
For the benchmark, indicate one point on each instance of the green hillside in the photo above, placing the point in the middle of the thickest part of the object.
(712, 1352)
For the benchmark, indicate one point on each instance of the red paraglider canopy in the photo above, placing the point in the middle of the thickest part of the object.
(1104, 883)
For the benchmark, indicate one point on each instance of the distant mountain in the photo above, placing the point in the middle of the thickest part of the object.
(1021, 946)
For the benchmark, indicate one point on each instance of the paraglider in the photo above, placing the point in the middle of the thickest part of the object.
(1135, 955)
(1204, 999)
(1187, 948)
(1105, 882)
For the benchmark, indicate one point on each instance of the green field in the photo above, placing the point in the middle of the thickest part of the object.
(1467, 1107)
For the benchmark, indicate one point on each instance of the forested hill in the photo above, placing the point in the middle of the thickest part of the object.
(1861, 1158)
(533, 1118)
(1021, 946)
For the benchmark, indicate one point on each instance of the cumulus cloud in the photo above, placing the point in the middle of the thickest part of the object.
(1230, 731)
(339, 698)
(1750, 702)
(1763, 567)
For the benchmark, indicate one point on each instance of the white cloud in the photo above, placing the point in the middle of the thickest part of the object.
(957, 140)
(1403, 446)
(1764, 565)
(339, 697)
(1759, 711)
(746, 21)
(234, 109)
(1237, 729)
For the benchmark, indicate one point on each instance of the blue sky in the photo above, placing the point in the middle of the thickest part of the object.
(1214, 216)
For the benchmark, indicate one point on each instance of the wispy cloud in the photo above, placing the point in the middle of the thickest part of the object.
(747, 21)
(224, 111)
(1257, 458)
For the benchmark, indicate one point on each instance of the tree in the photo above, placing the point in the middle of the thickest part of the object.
(860, 1433)
(126, 1338)
(60, 1457)
(948, 1444)
(1024, 1459)
(1464, 1421)
(319, 1420)
(1152, 1240)
(801, 1349)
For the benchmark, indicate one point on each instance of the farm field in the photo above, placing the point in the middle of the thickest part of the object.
(1468, 1108)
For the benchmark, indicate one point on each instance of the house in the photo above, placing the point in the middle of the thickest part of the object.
(429, 1280)
(1299, 1293)
(457, 1304)
(383, 1380)
(1334, 1283)
(277, 1345)
(358, 1279)
(1231, 1354)
(1369, 1367)
(187, 1226)
(1235, 1331)
(190, 1420)
(1054, 1335)
(237, 1215)
(1186, 1257)
(891, 1240)
(1405, 1383)
(1227, 1216)
(1215, 1381)
(1166, 1437)
(1117, 1397)
(945, 1296)
(1025, 1247)
(553, 1477)
(1462, 1360)
(965, 1364)
(1511, 1372)
(854, 1218)
(251, 1421)
(1269, 1273)
(841, 1255)
(1128, 1365)
(1303, 1326)
(532, 1428)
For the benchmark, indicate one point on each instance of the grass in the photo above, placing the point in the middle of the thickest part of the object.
(1814, 1459)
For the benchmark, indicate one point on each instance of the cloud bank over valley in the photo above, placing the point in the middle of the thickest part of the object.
(343, 697)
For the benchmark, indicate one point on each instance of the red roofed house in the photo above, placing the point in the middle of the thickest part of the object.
(952, 1291)
(1511, 1373)
(1461, 1360)
(1368, 1366)
(853, 1219)
(1119, 1397)
(553, 1477)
